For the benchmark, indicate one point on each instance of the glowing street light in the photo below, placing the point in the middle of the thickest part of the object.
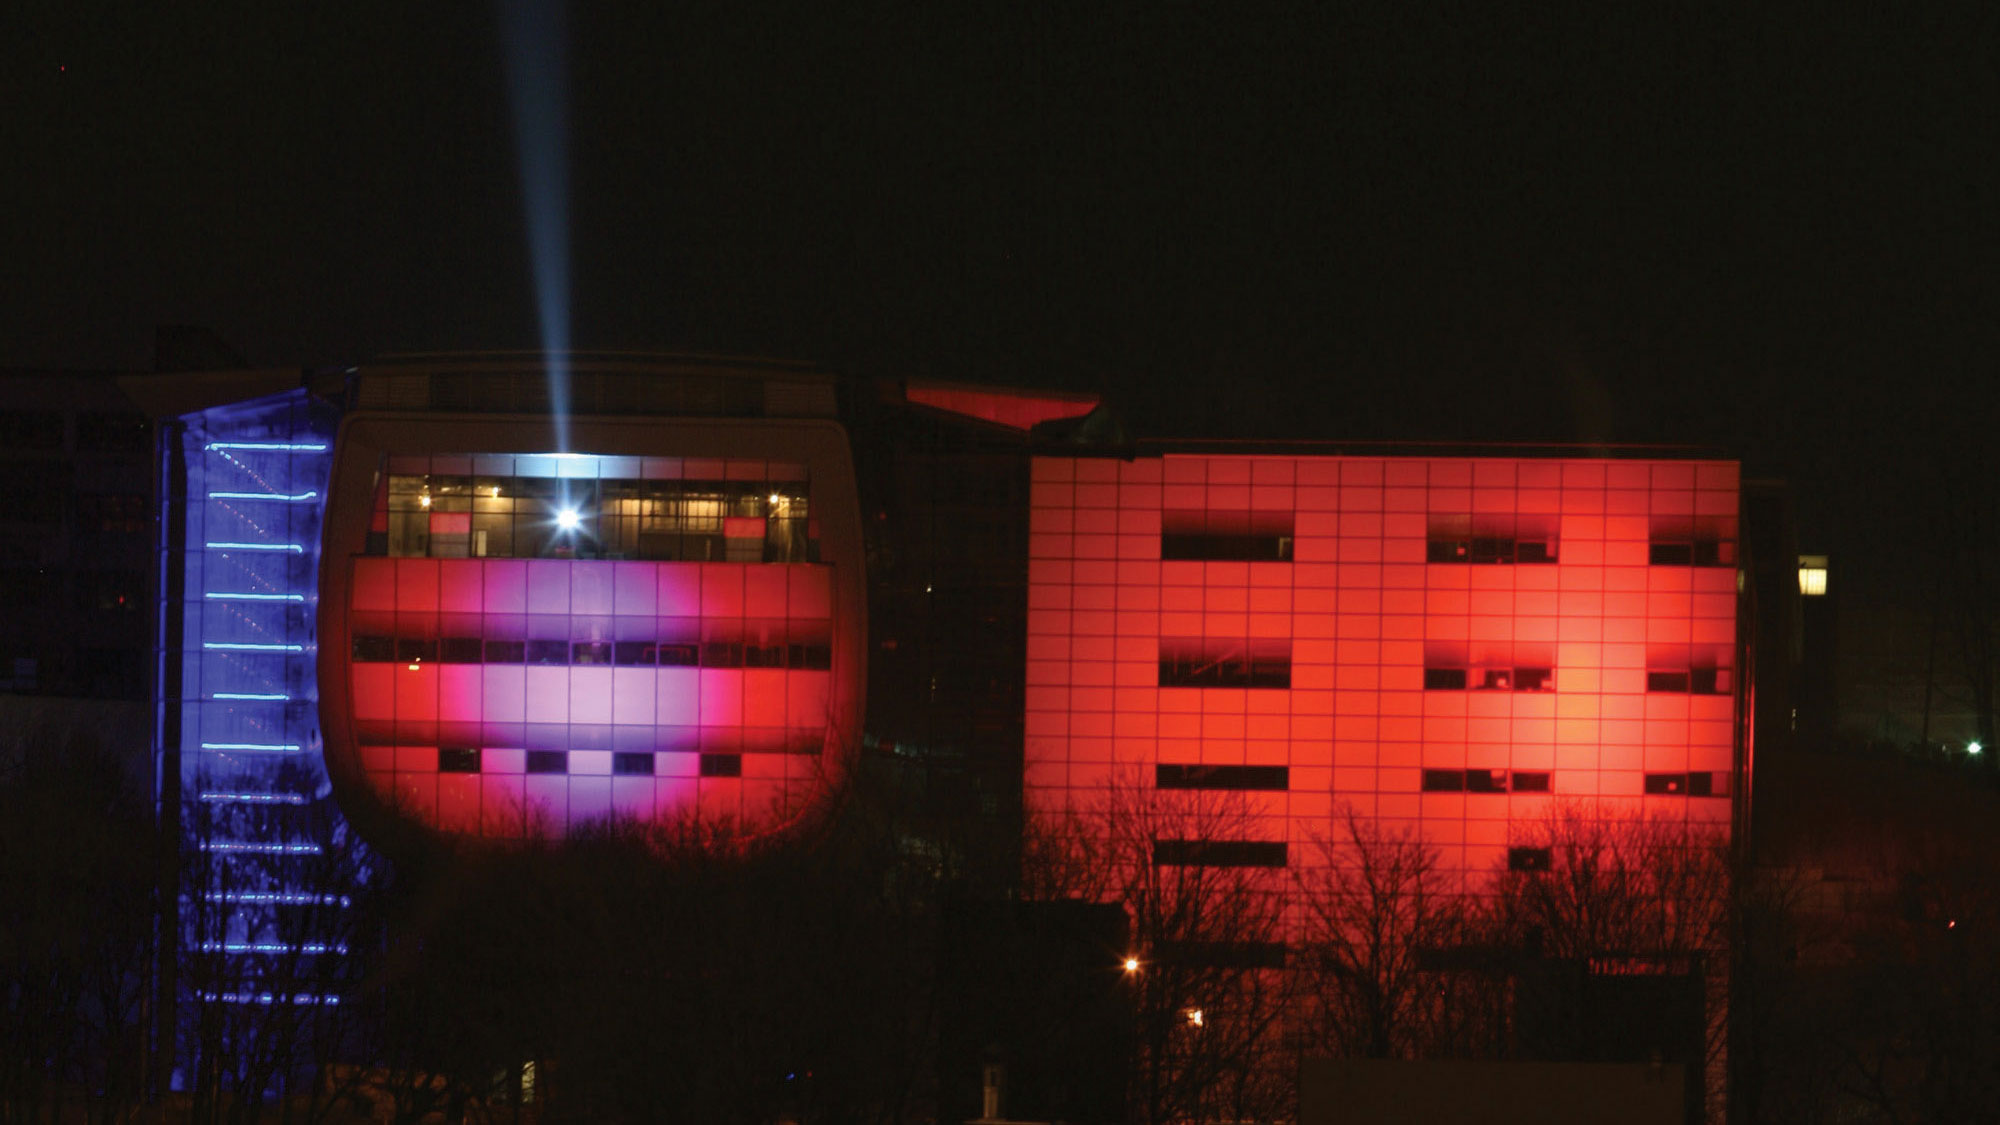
(567, 519)
(1131, 964)
(1973, 748)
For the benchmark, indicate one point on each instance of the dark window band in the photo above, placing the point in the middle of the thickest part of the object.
(376, 649)
(1694, 681)
(1700, 783)
(1226, 536)
(1208, 662)
(1466, 781)
(1489, 679)
(1272, 779)
(722, 765)
(1529, 859)
(1218, 853)
(1490, 550)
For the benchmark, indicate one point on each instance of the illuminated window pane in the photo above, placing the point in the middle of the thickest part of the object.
(1812, 575)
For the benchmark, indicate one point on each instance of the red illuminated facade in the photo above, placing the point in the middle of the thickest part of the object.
(1445, 644)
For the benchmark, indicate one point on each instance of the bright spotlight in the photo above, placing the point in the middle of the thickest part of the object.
(424, 500)
(1195, 1017)
(1131, 964)
(567, 519)
(1973, 747)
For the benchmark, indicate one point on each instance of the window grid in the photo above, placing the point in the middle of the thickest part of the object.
(1359, 602)
(507, 696)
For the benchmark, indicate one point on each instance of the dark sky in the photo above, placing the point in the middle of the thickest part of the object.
(1773, 231)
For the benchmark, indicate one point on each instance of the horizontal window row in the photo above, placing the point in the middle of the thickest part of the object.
(688, 654)
(1691, 681)
(1262, 779)
(1268, 536)
(479, 516)
(1226, 536)
(1201, 662)
(1485, 781)
(1694, 552)
(1490, 550)
(1699, 783)
(1489, 679)
(1218, 853)
(727, 733)
(457, 759)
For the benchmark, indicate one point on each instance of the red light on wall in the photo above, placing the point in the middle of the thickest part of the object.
(1476, 622)
(1019, 410)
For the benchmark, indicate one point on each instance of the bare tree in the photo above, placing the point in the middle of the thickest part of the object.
(1923, 992)
(1205, 905)
(1966, 610)
(1377, 917)
(1642, 897)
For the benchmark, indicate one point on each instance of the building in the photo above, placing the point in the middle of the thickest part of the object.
(1444, 643)
(449, 599)
(75, 455)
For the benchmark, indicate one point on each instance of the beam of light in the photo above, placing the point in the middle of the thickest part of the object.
(287, 497)
(535, 41)
(234, 596)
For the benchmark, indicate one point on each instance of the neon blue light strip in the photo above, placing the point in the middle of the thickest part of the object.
(283, 446)
(228, 846)
(292, 547)
(246, 597)
(271, 947)
(246, 646)
(328, 999)
(271, 747)
(290, 498)
(280, 898)
(250, 695)
(254, 798)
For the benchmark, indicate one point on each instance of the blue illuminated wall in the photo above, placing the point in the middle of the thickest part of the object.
(269, 865)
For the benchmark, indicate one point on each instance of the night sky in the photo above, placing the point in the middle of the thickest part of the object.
(1774, 232)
